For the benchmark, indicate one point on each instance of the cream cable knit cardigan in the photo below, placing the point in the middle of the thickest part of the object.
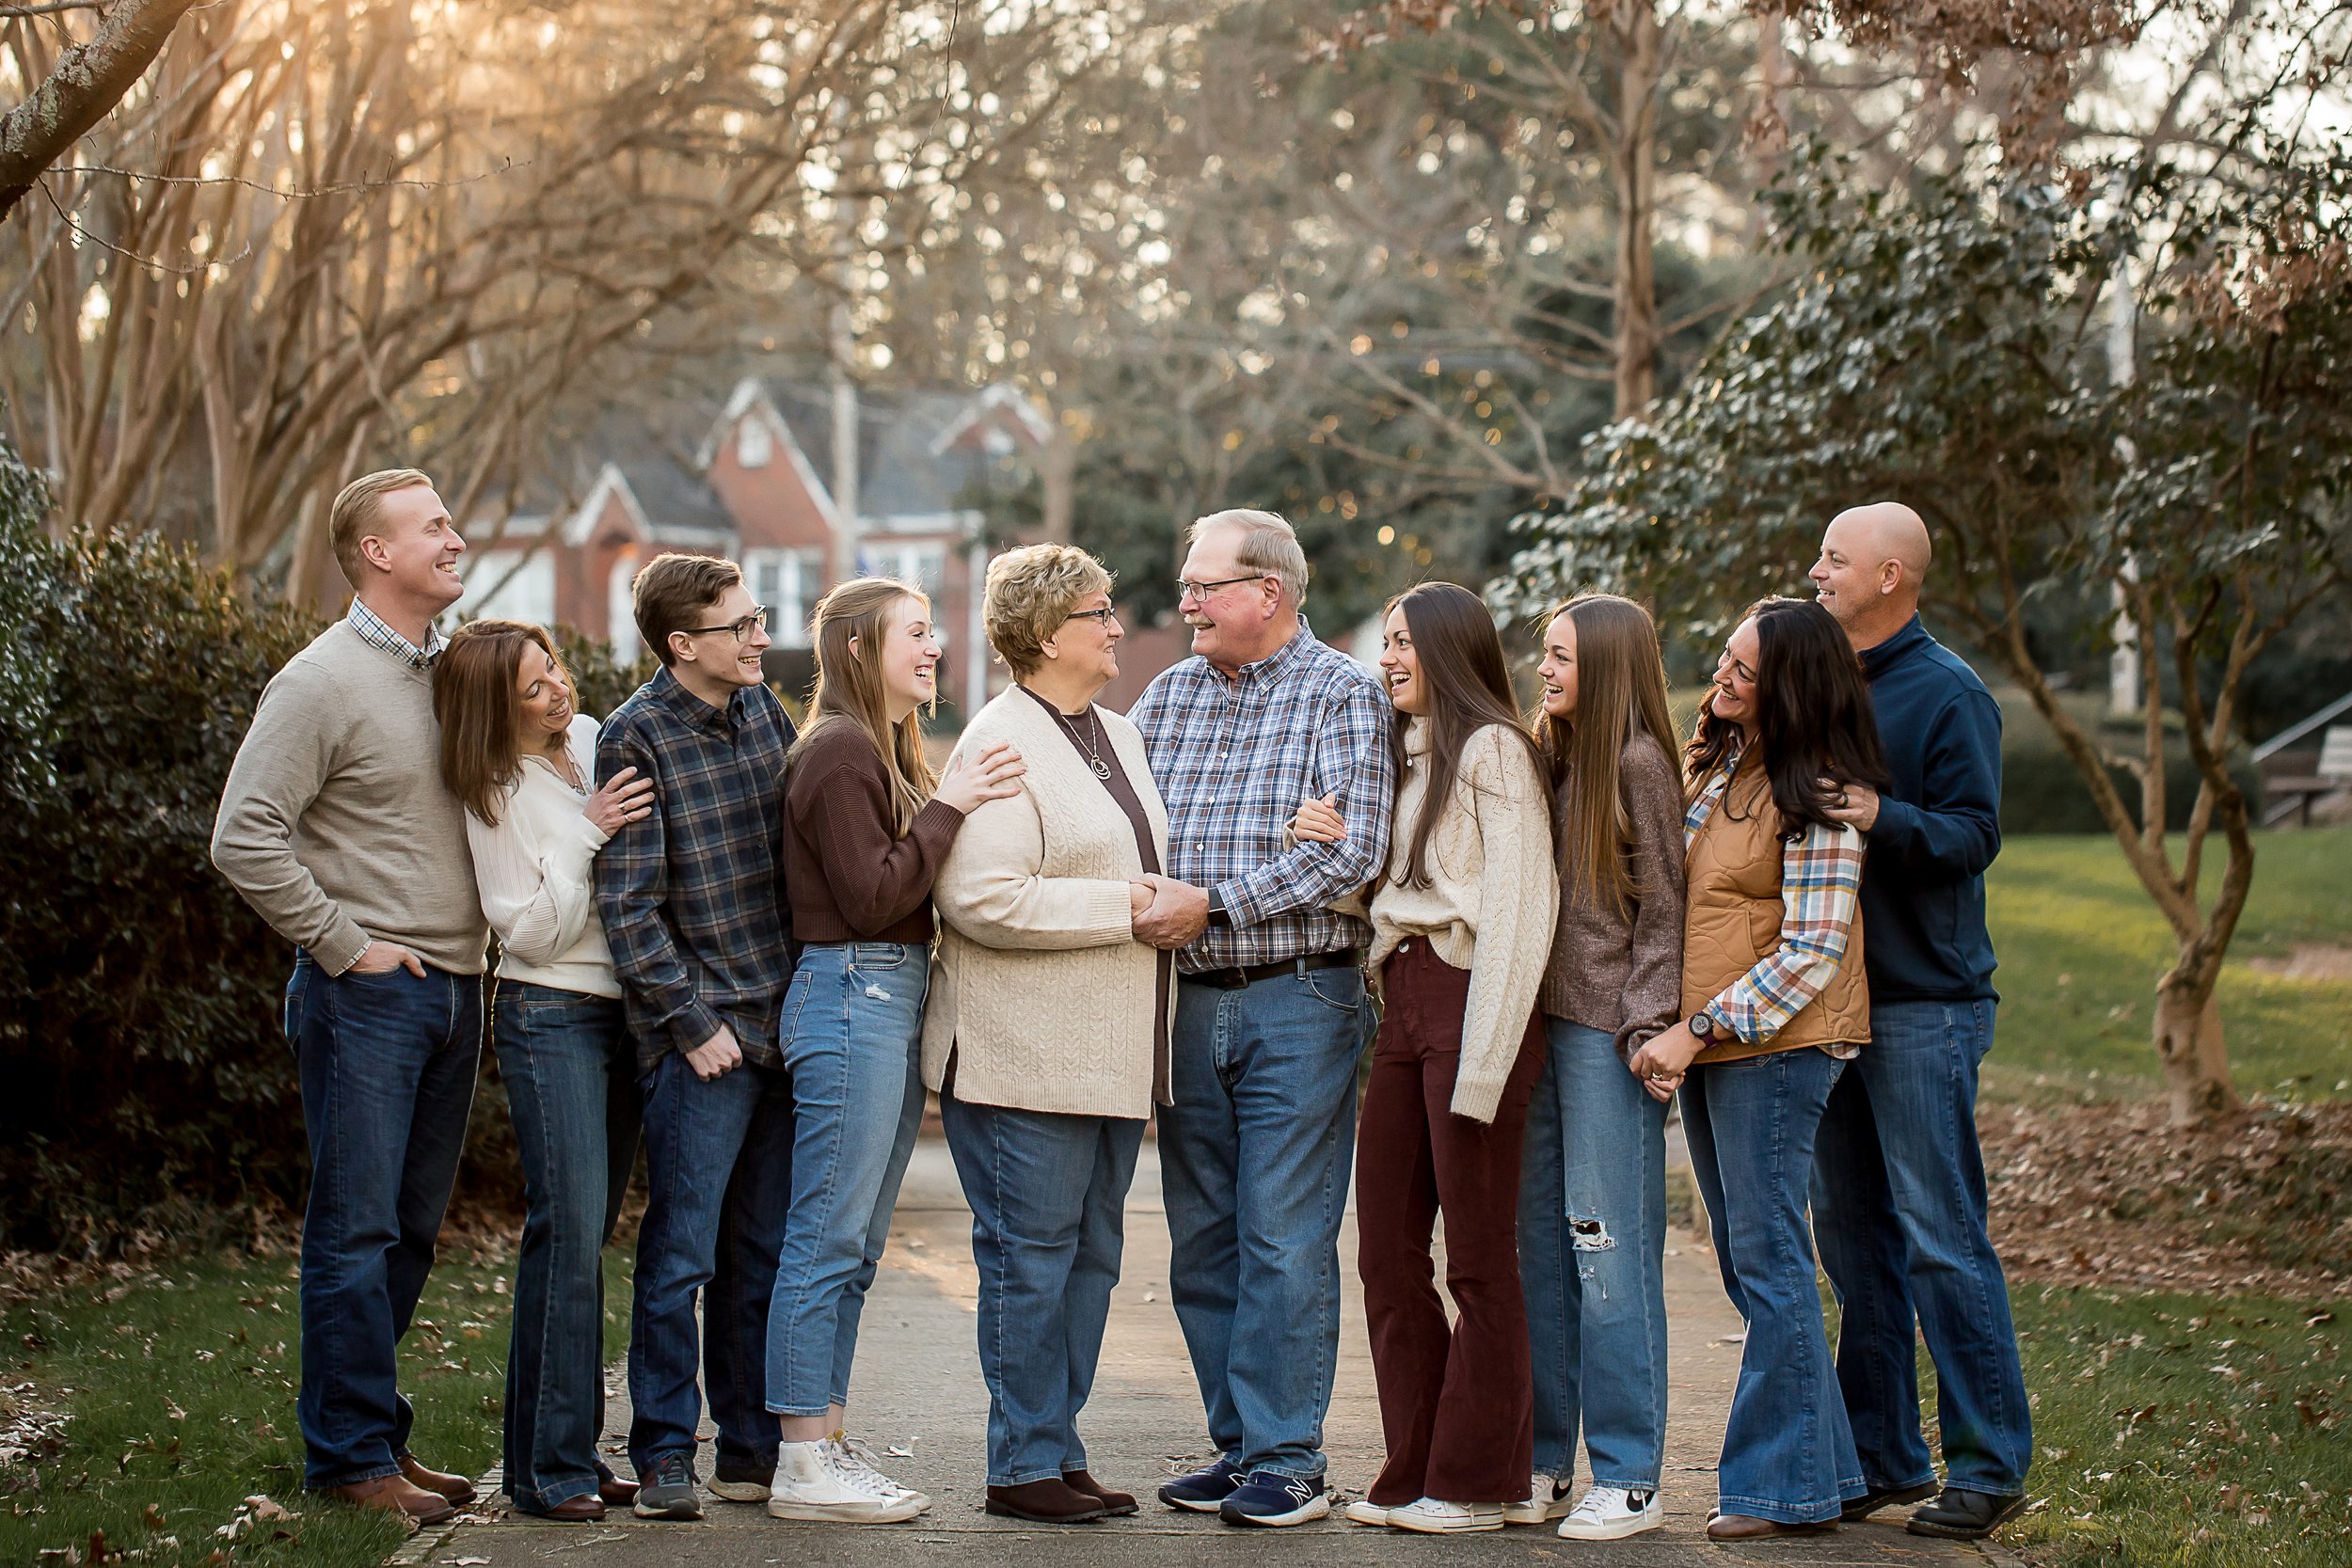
(1039, 984)
(1493, 893)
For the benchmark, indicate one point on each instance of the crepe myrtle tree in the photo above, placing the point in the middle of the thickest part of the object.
(1954, 348)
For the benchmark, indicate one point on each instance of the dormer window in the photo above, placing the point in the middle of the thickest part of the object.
(755, 443)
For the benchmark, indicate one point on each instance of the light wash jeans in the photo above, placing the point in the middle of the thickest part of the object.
(1899, 1209)
(1255, 1155)
(852, 1038)
(570, 1071)
(1047, 1195)
(1787, 1452)
(1592, 1196)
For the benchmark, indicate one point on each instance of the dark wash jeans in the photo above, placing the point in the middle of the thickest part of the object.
(387, 1065)
(719, 1163)
(570, 1071)
(1899, 1212)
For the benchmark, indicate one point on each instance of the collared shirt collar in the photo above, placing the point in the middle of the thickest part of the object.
(376, 632)
(692, 708)
(1878, 661)
(1271, 668)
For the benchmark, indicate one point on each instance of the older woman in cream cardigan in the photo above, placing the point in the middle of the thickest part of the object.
(1047, 1030)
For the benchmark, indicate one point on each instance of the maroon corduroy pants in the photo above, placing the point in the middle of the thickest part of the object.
(1455, 1405)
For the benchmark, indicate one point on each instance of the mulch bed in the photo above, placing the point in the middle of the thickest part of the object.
(2110, 1196)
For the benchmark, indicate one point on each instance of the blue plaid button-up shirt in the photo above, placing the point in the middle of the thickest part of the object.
(693, 896)
(1233, 758)
(377, 633)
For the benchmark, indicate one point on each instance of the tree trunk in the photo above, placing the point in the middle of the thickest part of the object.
(87, 81)
(1635, 349)
(2189, 1044)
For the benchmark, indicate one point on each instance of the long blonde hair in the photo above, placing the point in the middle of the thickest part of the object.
(1620, 698)
(849, 688)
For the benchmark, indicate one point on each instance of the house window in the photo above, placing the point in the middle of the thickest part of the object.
(755, 443)
(923, 565)
(789, 582)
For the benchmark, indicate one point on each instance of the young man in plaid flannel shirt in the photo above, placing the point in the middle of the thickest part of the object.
(1270, 1014)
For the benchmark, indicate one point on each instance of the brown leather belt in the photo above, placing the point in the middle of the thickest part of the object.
(1234, 979)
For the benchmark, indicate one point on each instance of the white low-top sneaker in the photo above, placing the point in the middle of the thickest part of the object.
(811, 1484)
(1365, 1511)
(1547, 1500)
(1611, 1513)
(855, 1455)
(1433, 1517)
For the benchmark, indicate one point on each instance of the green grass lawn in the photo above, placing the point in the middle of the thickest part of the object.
(2081, 946)
(179, 1389)
(2178, 1431)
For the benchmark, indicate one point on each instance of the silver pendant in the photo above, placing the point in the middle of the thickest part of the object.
(1101, 769)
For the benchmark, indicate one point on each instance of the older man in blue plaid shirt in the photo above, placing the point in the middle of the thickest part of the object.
(1270, 1013)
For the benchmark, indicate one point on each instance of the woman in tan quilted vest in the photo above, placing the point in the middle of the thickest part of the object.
(1774, 1006)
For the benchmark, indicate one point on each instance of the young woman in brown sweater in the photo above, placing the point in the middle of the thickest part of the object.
(1593, 1198)
(867, 824)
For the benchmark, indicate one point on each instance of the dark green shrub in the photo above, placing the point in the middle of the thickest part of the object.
(2042, 792)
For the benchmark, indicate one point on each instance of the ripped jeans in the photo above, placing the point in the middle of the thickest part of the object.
(852, 1038)
(1593, 1190)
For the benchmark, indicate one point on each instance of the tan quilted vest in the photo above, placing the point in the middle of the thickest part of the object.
(1732, 920)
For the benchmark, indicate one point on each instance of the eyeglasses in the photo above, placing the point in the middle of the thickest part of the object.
(742, 628)
(1103, 617)
(1202, 590)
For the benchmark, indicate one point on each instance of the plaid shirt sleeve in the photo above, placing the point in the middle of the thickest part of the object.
(1820, 884)
(632, 879)
(1350, 746)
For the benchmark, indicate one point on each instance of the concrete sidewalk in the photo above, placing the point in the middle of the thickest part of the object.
(919, 1389)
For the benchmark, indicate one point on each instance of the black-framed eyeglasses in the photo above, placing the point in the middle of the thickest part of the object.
(1202, 590)
(742, 628)
(1103, 617)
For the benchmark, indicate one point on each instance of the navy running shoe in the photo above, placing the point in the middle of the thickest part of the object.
(1203, 1489)
(1271, 1499)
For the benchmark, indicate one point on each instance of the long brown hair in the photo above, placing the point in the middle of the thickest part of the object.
(479, 712)
(1620, 701)
(1466, 686)
(850, 690)
(1813, 716)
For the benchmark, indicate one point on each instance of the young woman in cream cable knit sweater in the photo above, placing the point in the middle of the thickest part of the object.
(1462, 923)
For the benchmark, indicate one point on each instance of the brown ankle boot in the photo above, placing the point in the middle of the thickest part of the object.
(393, 1495)
(1120, 1503)
(457, 1489)
(1045, 1502)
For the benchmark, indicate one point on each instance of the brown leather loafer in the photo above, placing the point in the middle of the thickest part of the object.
(457, 1489)
(393, 1495)
(1747, 1526)
(586, 1509)
(1120, 1503)
(1045, 1502)
(616, 1491)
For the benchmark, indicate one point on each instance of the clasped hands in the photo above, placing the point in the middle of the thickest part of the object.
(1166, 912)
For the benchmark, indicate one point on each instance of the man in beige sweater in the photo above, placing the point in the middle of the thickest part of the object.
(335, 827)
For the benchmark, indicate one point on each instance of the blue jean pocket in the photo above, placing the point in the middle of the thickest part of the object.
(877, 955)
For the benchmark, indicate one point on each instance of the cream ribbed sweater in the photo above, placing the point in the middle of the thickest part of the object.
(1039, 984)
(1493, 894)
(534, 870)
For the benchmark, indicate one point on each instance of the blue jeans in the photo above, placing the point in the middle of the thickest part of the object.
(1787, 1452)
(570, 1074)
(387, 1065)
(1898, 1209)
(1593, 1191)
(1047, 1194)
(1255, 1155)
(853, 1039)
(719, 1163)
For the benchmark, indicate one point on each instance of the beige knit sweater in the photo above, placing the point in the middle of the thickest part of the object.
(1039, 984)
(1493, 894)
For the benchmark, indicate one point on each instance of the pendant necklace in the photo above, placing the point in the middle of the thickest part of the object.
(1094, 752)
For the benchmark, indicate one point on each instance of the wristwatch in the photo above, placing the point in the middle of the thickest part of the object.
(1702, 1026)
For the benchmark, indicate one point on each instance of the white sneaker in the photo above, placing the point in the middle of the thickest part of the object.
(1432, 1517)
(855, 1455)
(1364, 1512)
(812, 1485)
(1611, 1513)
(1547, 1500)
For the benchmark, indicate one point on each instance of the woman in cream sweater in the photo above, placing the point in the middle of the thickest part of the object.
(1462, 923)
(1046, 1034)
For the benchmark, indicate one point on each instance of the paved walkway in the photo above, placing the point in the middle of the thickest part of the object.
(918, 1388)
